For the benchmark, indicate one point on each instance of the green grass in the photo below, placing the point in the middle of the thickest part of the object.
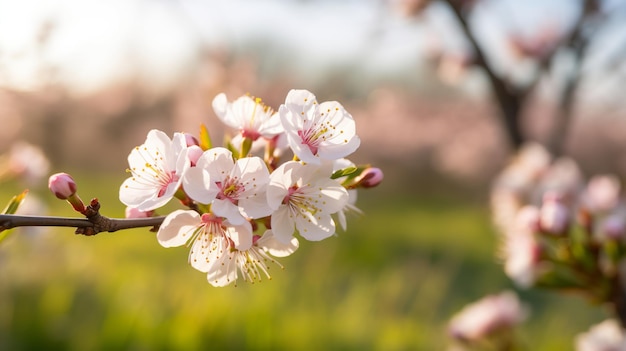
(390, 282)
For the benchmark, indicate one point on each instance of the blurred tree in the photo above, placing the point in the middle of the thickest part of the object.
(555, 50)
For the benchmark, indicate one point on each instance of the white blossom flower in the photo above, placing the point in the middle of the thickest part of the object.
(602, 193)
(236, 189)
(210, 237)
(221, 249)
(487, 316)
(156, 169)
(317, 131)
(606, 336)
(249, 115)
(303, 197)
(521, 248)
(251, 263)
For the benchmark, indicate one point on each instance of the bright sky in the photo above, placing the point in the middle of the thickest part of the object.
(96, 42)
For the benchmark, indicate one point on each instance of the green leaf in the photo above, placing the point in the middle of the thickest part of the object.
(205, 139)
(343, 172)
(11, 208)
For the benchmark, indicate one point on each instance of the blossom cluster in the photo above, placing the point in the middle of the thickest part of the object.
(243, 206)
(560, 231)
(563, 232)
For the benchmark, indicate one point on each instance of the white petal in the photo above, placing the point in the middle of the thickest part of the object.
(221, 106)
(255, 206)
(224, 273)
(275, 247)
(182, 161)
(200, 257)
(133, 193)
(243, 111)
(300, 100)
(158, 201)
(177, 147)
(335, 197)
(300, 149)
(225, 208)
(249, 168)
(336, 151)
(322, 228)
(280, 182)
(241, 235)
(220, 163)
(199, 186)
(177, 228)
(158, 140)
(282, 225)
(272, 126)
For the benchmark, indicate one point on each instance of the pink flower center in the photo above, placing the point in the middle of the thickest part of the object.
(250, 134)
(309, 139)
(165, 179)
(290, 192)
(230, 189)
(210, 218)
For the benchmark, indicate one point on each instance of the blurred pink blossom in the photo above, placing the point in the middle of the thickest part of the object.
(606, 336)
(602, 193)
(487, 317)
(521, 248)
(554, 215)
(28, 162)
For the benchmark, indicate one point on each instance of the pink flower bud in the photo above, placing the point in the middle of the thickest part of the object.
(132, 212)
(554, 215)
(370, 177)
(191, 140)
(62, 185)
(193, 154)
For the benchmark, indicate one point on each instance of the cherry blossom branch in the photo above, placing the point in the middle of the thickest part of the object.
(94, 223)
(8, 221)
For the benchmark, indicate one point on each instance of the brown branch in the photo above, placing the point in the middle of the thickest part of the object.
(94, 223)
(509, 100)
(579, 44)
(8, 221)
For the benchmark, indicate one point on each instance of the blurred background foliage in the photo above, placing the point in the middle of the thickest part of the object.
(390, 283)
(85, 81)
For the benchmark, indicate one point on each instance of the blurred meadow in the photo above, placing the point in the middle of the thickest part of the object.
(85, 82)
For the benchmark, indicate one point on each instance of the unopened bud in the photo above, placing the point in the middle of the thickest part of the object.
(193, 154)
(370, 177)
(554, 215)
(191, 140)
(62, 185)
(132, 212)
